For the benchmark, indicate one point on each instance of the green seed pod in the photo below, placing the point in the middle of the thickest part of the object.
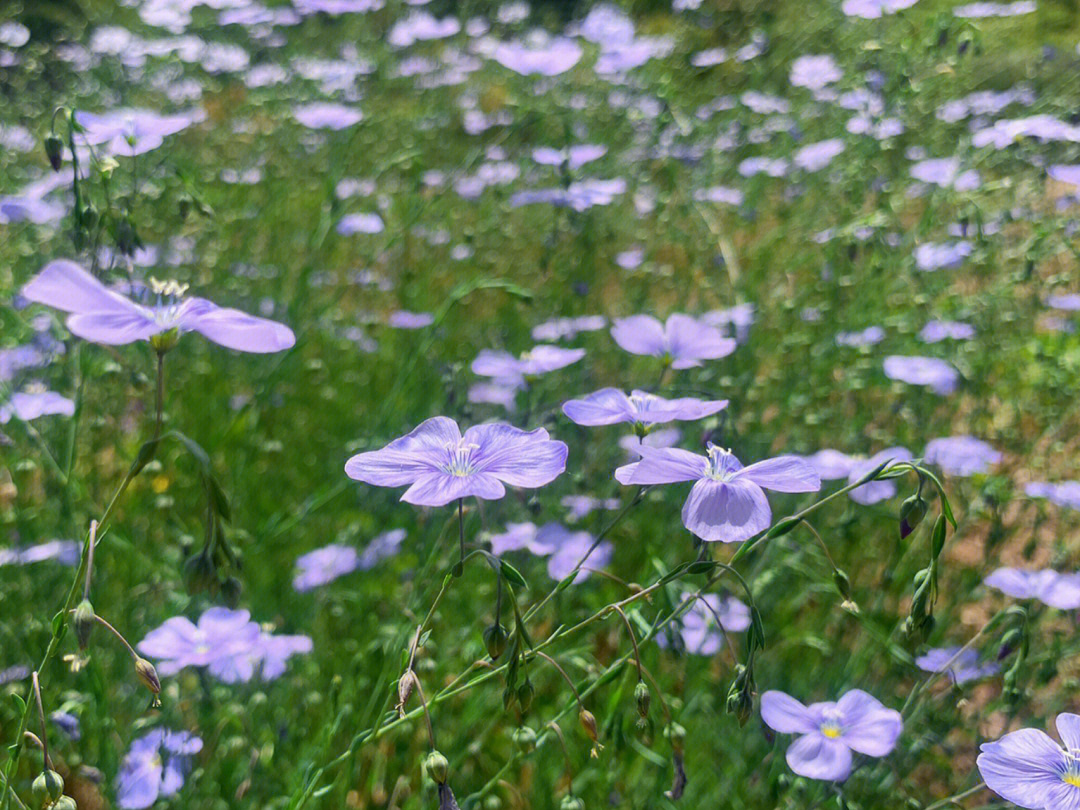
(912, 511)
(525, 739)
(83, 621)
(525, 694)
(644, 699)
(65, 803)
(48, 787)
(437, 767)
(54, 150)
(495, 641)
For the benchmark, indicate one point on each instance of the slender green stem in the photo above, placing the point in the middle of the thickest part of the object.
(956, 798)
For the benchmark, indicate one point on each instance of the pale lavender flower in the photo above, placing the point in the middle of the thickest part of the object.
(1065, 493)
(563, 548)
(719, 194)
(610, 406)
(960, 665)
(738, 318)
(773, 167)
(710, 57)
(630, 259)
(831, 465)
(978, 10)
(867, 337)
(67, 723)
(581, 506)
(1068, 174)
(874, 491)
(403, 319)
(506, 368)
(130, 131)
(547, 58)
(727, 502)
(961, 455)
(220, 636)
(936, 331)
(698, 629)
(566, 328)
(360, 223)
(65, 552)
(665, 437)
(931, 256)
(337, 7)
(814, 71)
(384, 545)
(325, 115)
(573, 157)
(324, 565)
(101, 315)
(1069, 302)
(440, 465)
(682, 340)
(873, 9)
(420, 25)
(155, 766)
(937, 375)
(495, 393)
(829, 732)
(816, 156)
(945, 172)
(1061, 591)
(35, 402)
(1029, 769)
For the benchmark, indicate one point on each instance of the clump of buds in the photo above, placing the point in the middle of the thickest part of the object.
(48, 787)
(740, 697)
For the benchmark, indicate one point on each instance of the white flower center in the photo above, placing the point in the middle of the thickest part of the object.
(721, 464)
(460, 462)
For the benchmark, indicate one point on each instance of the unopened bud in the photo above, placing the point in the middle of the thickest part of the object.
(83, 621)
(676, 735)
(678, 782)
(199, 571)
(525, 739)
(588, 722)
(437, 767)
(89, 216)
(1009, 642)
(570, 802)
(65, 803)
(184, 205)
(231, 589)
(525, 694)
(48, 787)
(843, 584)
(54, 150)
(405, 686)
(495, 640)
(644, 699)
(912, 511)
(148, 675)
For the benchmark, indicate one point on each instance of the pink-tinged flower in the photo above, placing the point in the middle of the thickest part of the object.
(727, 502)
(33, 403)
(874, 491)
(961, 455)
(1029, 769)
(102, 315)
(682, 339)
(440, 465)
(509, 370)
(1061, 591)
(610, 406)
(937, 375)
(323, 115)
(829, 732)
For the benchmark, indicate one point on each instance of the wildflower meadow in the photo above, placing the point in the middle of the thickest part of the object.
(539, 404)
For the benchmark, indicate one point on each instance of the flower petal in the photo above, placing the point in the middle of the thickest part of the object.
(440, 488)
(1068, 728)
(517, 457)
(783, 474)
(639, 334)
(234, 329)
(113, 328)
(781, 712)
(608, 406)
(726, 511)
(64, 285)
(815, 756)
(868, 727)
(1022, 767)
(405, 459)
(662, 465)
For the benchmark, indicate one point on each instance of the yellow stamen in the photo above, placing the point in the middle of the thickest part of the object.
(832, 732)
(1071, 779)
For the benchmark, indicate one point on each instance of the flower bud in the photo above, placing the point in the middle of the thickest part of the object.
(405, 686)
(495, 640)
(127, 239)
(588, 722)
(492, 802)
(83, 621)
(525, 694)
(678, 783)
(1009, 642)
(525, 739)
(65, 803)
(446, 798)
(570, 802)
(148, 675)
(48, 787)
(54, 150)
(644, 698)
(184, 205)
(912, 511)
(676, 735)
(843, 584)
(437, 767)
(199, 571)
(89, 216)
(231, 589)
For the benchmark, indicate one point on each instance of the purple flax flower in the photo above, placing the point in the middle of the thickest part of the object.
(132, 132)
(937, 375)
(273, 652)
(961, 666)
(440, 465)
(65, 552)
(155, 766)
(682, 340)
(829, 732)
(727, 502)
(324, 565)
(699, 632)
(873, 9)
(961, 455)
(566, 328)
(322, 115)
(1065, 493)
(403, 319)
(610, 406)
(67, 723)
(34, 402)
(816, 156)
(936, 331)
(548, 58)
(831, 465)
(945, 172)
(1061, 591)
(738, 318)
(101, 315)
(582, 505)
(665, 437)
(541, 359)
(867, 337)
(1029, 769)
(220, 636)
(931, 256)
(360, 223)
(573, 157)
(1069, 302)
(383, 546)
(977, 10)
(814, 71)
(563, 548)
(875, 491)
(495, 393)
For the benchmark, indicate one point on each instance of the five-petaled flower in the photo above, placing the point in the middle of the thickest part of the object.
(829, 732)
(1029, 769)
(610, 406)
(682, 340)
(439, 464)
(102, 315)
(727, 502)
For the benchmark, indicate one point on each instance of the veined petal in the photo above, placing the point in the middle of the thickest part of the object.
(113, 328)
(440, 488)
(234, 329)
(1022, 767)
(781, 712)
(726, 511)
(868, 727)
(1068, 728)
(407, 458)
(783, 474)
(639, 334)
(64, 285)
(517, 457)
(663, 465)
(815, 756)
(608, 406)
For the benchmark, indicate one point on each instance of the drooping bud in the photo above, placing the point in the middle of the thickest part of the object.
(495, 641)
(446, 798)
(231, 589)
(644, 699)
(89, 216)
(1009, 642)
(148, 675)
(83, 621)
(199, 571)
(912, 511)
(48, 787)
(676, 735)
(678, 781)
(588, 722)
(54, 150)
(525, 739)
(437, 767)
(405, 686)
(571, 802)
(524, 695)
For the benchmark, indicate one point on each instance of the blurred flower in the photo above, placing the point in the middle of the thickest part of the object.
(68, 723)
(440, 465)
(359, 223)
(155, 766)
(1065, 493)
(976, 10)
(30, 404)
(814, 71)
(699, 632)
(65, 552)
(324, 565)
(867, 337)
(324, 115)
(101, 315)
(961, 666)
(872, 9)
(581, 505)
(816, 156)
(874, 491)
(829, 732)
(1061, 591)
(936, 331)
(682, 339)
(727, 502)
(1028, 768)
(961, 455)
(573, 157)
(563, 548)
(610, 406)
(132, 132)
(931, 256)
(945, 172)
(567, 328)
(510, 370)
(403, 319)
(937, 375)
(547, 57)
